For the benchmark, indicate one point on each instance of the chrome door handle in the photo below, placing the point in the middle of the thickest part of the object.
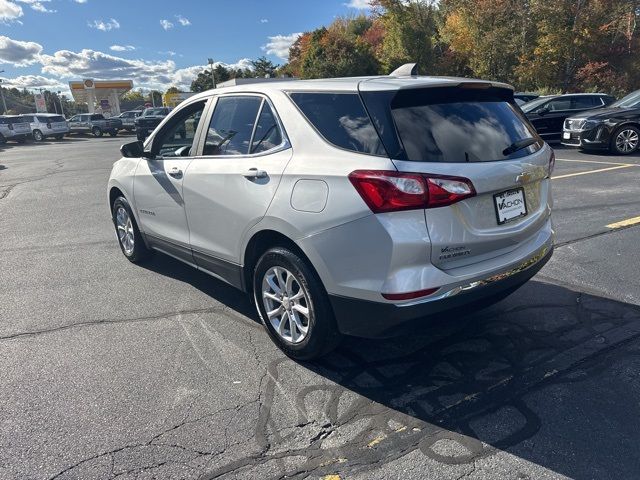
(175, 172)
(255, 173)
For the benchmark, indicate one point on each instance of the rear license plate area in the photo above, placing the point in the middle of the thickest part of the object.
(510, 205)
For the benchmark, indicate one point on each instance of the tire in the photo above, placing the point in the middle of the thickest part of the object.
(38, 136)
(2, 139)
(321, 334)
(135, 250)
(22, 140)
(59, 137)
(97, 131)
(113, 133)
(625, 140)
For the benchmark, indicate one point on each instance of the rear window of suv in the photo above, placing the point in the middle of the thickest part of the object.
(341, 120)
(453, 125)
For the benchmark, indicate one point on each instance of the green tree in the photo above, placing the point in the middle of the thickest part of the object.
(263, 67)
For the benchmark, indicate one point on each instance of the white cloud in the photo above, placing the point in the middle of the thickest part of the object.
(279, 45)
(35, 81)
(18, 53)
(359, 4)
(159, 75)
(264, 20)
(9, 11)
(171, 53)
(80, 1)
(185, 22)
(166, 24)
(111, 24)
(122, 48)
(38, 5)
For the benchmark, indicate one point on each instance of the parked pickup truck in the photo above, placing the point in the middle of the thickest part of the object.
(149, 120)
(94, 123)
(129, 119)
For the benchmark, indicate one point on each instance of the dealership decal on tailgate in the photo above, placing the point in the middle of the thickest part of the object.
(510, 205)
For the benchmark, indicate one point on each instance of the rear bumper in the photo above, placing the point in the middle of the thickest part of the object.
(369, 319)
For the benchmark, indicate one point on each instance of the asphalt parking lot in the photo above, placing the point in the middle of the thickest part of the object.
(112, 370)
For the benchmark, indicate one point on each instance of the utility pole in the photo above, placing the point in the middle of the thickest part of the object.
(61, 107)
(4, 104)
(213, 77)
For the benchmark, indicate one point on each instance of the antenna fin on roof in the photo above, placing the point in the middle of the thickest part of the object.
(406, 70)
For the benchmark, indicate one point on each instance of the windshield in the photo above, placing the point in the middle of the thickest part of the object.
(631, 100)
(155, 111)
(533, 104)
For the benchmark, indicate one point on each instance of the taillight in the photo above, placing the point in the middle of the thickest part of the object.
(552, 162)
(389, 191)
(49, 126)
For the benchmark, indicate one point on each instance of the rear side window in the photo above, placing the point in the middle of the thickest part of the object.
(97, 117)
(341, 119)
(450, 125)
(584, 102)
(231, 126)
(267, 133)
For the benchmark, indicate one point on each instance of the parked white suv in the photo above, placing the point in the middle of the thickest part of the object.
(12, 127)
(345, 206)
(45, 125)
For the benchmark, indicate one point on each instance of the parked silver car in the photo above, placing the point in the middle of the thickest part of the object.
(45, 125)
(344, 206)
(129, 119)
(12, 127)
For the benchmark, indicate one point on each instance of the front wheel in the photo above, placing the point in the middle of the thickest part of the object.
(59, 137)
(625, 140)
(97, 131)
(38, 136)
(127, 231)
(293, 305)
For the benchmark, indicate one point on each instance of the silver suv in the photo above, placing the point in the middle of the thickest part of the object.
(13, 127)
(45, 125)
(344, 206)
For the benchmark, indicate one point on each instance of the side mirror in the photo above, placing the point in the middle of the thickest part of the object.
(134, 150)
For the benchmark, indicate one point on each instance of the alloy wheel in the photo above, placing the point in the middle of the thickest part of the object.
(37, 136)
(286, 303)
(627, 140)
(124, 226)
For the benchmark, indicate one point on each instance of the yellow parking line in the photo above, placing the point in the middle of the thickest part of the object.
(591, 171)
(594, 161)
(625, 223)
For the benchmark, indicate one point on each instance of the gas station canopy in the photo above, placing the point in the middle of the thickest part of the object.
(101, 96)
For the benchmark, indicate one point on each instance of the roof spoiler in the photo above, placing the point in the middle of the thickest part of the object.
(406, 70)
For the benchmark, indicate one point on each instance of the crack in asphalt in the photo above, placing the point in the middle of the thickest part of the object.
(594, 235)
(113, 321)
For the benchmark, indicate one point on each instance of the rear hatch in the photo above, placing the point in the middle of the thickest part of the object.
(58, 123)
(467, 135)
(19, 126)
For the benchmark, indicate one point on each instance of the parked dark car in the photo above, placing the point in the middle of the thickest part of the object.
(149, 120)
(547, 114)
(615, 128)
(524, 97)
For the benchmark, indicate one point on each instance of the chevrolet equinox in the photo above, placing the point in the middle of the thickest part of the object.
(344, 206)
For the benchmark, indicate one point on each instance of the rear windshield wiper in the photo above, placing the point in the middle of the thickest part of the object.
(519, 145)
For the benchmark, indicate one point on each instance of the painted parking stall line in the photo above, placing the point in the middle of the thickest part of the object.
(587, 172)
(625, 223)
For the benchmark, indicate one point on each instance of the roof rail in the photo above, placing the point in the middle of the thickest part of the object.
(406, 70)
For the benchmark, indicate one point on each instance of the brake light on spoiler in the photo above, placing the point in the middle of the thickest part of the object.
(390, 191)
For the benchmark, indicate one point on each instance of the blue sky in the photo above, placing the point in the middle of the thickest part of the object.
(157, 43)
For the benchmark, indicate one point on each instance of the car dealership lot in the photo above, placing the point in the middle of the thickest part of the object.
(159, 371)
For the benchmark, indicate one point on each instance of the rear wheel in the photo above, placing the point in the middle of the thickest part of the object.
(22, 140)
(59, 137)
(129, 238)
(293, 305)
(113, 133)
(97, 131)
(2, 139)
(38, 136)
(625, 140)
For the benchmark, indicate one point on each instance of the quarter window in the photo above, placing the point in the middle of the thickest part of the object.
(341, 119)
(584, 102)
(267, 133)
(231, 126)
